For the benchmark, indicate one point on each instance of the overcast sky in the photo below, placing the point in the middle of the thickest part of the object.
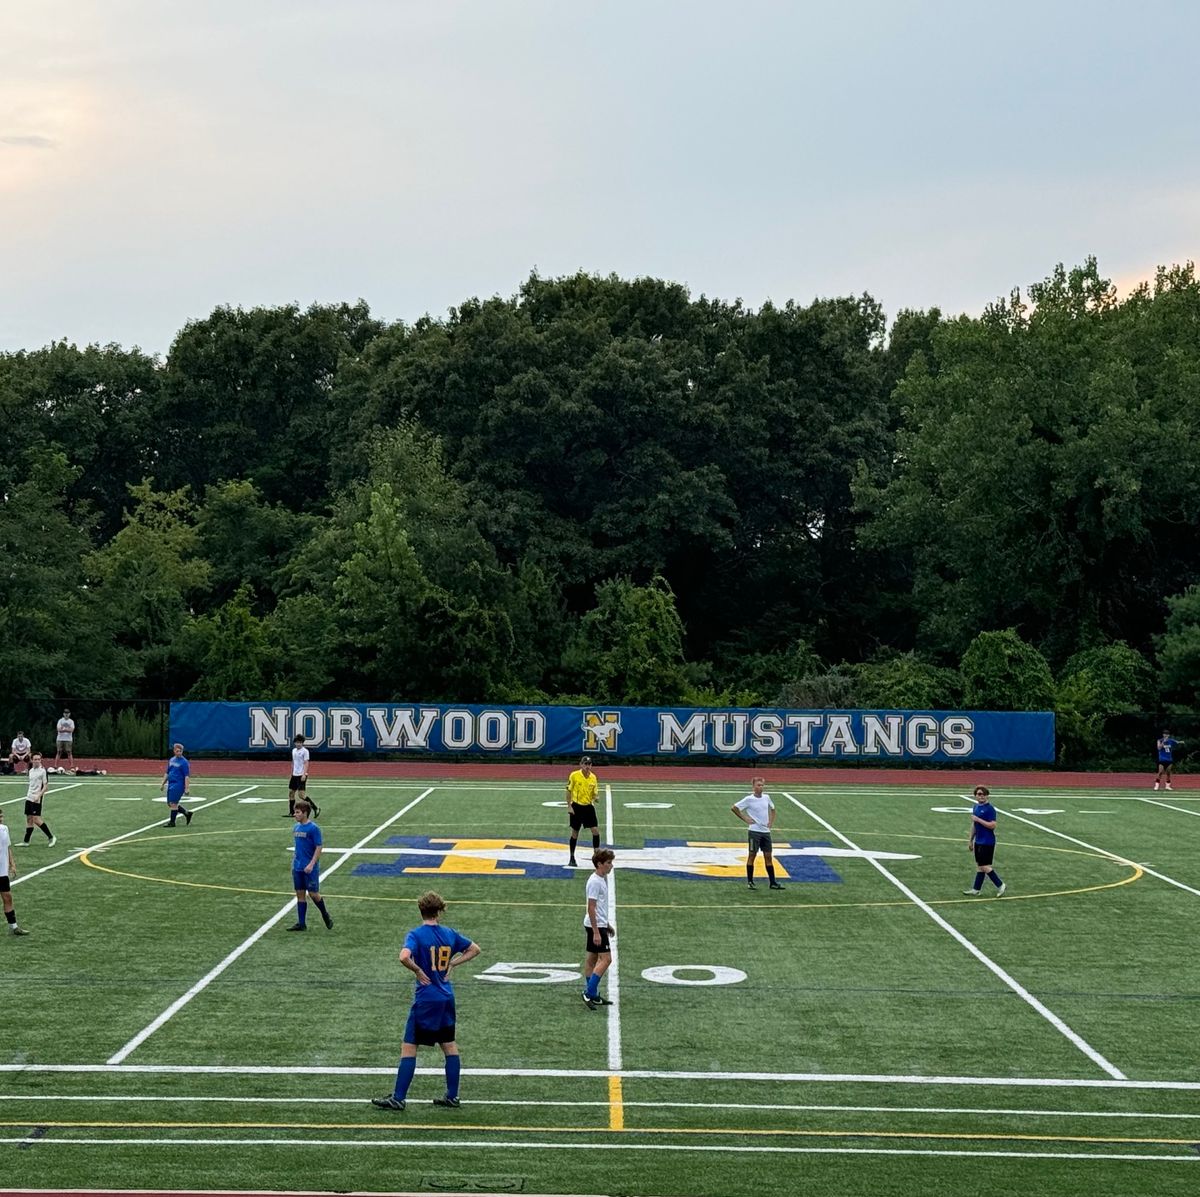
(158, 159)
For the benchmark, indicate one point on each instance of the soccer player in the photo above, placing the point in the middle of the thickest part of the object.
(8, 870)
(431, 952)
(298, 785)
(21, 751)
(983, 843)
(1166, 758)
(598, 929)
(34, 797)
(64, 739)
(177, 780)
(581, 806)
(306, 867)
(757, 811)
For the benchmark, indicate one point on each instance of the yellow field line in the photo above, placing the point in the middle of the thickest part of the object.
(616, 1105)
(741, 1131)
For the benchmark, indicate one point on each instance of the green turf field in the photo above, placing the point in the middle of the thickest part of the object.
(867, 1030)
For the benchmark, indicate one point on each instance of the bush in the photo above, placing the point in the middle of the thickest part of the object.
(127, 733)
(1002, 673)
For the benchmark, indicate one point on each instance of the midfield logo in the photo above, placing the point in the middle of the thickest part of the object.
(601, 731)
(799, 860)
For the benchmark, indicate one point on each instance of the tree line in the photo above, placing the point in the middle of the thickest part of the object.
(607, 490)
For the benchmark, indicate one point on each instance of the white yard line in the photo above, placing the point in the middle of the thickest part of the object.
(614, 980)
(1183, 810)
(1008, 979)
(785, 1107)
(60, 789)
(636, 1074)
(116, 839)
(408, 1143)
(247, 944)
(1103, 852)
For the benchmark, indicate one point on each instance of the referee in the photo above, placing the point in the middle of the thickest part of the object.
(581, 806)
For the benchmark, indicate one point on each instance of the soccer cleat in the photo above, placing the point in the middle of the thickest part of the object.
(587, 1001)
(388, 1103)
(18, 930)
(328, 920)
(21, 844)
(1000, 891)
(751, 885)
(571, 863)
(972, 893)
(1156, 785)
(187, 814)
(602, 1001)
(53, 841)
(297, 927)
(316, 811)
(1168, 786)
(774, 885)
(450, 1103)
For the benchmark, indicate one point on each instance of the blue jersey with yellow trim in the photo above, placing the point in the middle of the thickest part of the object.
(433, 947)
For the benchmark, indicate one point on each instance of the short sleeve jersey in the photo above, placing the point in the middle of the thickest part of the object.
(433, 947)
(5, 845)
(308, 839)
(65, 729)
(178, 771)
(758, 807)
(984, 835)
(582, 789)
(299, 762)
(37, 785)
(1166, 750)
(21, 745)
(597, 887)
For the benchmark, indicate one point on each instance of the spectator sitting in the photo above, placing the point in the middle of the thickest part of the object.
(22, 751)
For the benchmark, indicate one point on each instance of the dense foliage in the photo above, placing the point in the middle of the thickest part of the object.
(607, 489)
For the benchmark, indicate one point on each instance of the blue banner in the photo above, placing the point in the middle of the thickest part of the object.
(506, 731)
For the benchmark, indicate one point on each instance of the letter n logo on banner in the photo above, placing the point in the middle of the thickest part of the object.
(601, 731)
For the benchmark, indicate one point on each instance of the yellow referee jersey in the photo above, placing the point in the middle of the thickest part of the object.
(580, 789)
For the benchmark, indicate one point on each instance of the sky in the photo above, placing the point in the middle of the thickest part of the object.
(160, 159)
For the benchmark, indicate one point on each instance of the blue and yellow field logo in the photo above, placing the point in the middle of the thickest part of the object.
(601, 731)
(695, 860)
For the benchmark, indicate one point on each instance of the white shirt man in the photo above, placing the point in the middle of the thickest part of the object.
(8, 870)
(21, 750)
(757, 811)
(597, 929)
(64, 739)
(33, 801)
(298, 785)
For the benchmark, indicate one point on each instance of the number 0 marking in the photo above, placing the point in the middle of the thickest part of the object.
(718, 974)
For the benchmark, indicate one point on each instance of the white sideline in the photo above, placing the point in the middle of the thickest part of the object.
(614, 980)
(1133, 864)
(247, 944)
(1183, 810)
(116, 839)
(1009, 980)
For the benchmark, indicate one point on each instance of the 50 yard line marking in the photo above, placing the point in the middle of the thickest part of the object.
(248, 943)
(616, 1107)
(1009, 980)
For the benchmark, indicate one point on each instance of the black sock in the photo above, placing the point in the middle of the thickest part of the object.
(771, 873)
(574, 841)
(750, 873)
(174, 816)
(291, 806)
(46, 829)
(11, 915)
(319, 903)
(595, 841)
(28, 835)
(995, 879)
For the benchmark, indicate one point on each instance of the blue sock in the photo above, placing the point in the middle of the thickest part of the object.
(593, 986)
(453, 1068)
(301, 912)
(996, 879)
(977, 884)
(404, 1076)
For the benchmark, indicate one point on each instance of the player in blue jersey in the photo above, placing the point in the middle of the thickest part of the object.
(982, 843)
(431, 952)
(1166, 758)
(306, 867)
(177, 779)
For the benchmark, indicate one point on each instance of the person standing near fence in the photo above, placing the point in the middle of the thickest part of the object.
(64, 740)
(1166, 758)
(8, 870)
(298, 783)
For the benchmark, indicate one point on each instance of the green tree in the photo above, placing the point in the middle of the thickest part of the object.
(1001, 672)
(1118, 678)
(231, 652)
(1179, 649)
(905, 682)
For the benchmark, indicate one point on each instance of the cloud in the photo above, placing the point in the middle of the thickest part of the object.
(30, 142)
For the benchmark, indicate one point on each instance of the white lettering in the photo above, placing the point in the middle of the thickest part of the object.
(672, 734)
(729, 731)
(402, 732)
(804, 725)
(458, 729)
(309, 722)
(493, 729)
(345, 728)
(269, 730)
(958, 735)
(765, 736)
(529, 730)
(882, 734)
(921, 735)
(718, 974)
(838, 736)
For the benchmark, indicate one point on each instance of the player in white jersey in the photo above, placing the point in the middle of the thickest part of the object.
(64, 739)
(33, 802)
(598, 928)
(8, 870)
(298, 785)
(757, 811)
